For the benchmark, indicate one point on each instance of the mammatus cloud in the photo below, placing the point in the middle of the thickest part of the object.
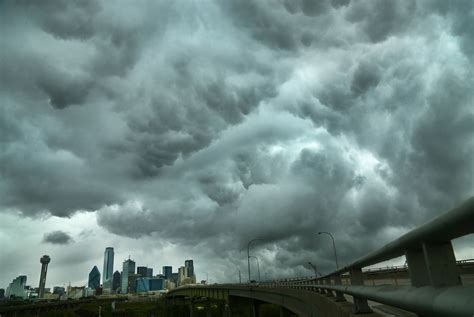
(213, 123)
(57, 237)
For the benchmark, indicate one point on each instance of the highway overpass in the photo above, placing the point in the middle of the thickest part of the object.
(437, 282)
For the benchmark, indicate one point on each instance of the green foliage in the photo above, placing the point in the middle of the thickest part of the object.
(123, 309)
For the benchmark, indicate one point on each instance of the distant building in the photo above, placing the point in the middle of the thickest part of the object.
(143, 284)
(89, 292)
(146, 284)
(132, 282)
(170, 284)
(167, 271)
(142, 271)
(51, 296)
(191, 277)
(174, 278)
(116, 282)
(107, 287)
(186, 281)
(149, 272)
(157, 284)
(94, 278)
(189, 265)
(127, 269)
(76, 292)
(181, 274)
(2, 293)
(59, 290)
(17, 287)
(44, 270)
(108, 265)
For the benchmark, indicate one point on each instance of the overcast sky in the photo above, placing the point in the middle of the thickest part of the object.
(175, 130)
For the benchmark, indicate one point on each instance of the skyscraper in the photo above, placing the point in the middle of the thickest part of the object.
(149, 272)
(116, 281)
(189, 265)
(181, 274)
(44, 269)
(132, 282)
(17, 287)
(167, 271)
(108, 264)
(142, 270)
(174, 277)
(94, 278)
(127, 269)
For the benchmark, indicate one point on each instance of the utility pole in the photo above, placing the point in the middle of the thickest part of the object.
(258, 267)
(248, 253)
(240, 278)
(333, 245)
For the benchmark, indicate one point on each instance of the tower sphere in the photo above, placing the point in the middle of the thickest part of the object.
(45, 259)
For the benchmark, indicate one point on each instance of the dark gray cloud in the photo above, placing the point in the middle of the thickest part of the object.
(212, 123)
(366, 76)
(381, 19)
(57, 237)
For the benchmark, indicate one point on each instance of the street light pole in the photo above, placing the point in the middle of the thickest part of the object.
(333, 245)
(258, 267)
(240, 278)
(314, 268)
(248, 253)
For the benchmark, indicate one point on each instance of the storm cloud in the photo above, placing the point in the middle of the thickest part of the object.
(211, 123)
(57, 237)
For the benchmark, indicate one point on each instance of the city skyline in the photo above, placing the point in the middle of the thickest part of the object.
(95, 273)
(19, 287)
(176, 129)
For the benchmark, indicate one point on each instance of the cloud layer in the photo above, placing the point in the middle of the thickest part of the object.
(210, 123)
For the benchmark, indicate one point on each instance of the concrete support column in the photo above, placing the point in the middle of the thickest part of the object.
(417, 267)
(226, 311)
(360, 304)
(240, 306)
(339, 295)
(441, 264)
(321, 290)
(285, 312)
(234, 308)
(329, 292)
(208, 309)
(191, 309)
(255, 309)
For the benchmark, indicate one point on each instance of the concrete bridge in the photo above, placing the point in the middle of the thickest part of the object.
(436, 287)
(245, 300)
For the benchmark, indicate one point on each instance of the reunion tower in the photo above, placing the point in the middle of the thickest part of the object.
(44, 269)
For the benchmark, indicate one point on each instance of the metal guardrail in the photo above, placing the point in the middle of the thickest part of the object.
(453, 224)
(427, 301)
(436, 285)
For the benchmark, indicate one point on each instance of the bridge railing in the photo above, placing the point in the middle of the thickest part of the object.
(436, 288)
